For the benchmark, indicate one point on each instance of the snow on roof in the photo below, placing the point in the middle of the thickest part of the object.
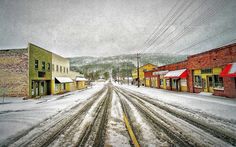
(64, 79)
(233, 68)
(163, 72)
(80, 79)
(175, 73)
(130, 78)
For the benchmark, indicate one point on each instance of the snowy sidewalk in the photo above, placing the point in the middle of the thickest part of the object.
(17, 115)
(212, 105)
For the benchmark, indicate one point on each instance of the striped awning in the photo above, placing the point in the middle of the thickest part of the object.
(182, 73)
(63, 80)
(229, 70)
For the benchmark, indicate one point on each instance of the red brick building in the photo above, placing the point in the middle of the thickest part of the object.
(209, 66)
(212, 71)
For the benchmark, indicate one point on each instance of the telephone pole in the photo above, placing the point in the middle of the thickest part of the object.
(127, 72)
(138, 69)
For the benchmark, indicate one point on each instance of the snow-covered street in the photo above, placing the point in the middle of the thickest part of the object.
(17, 115)
(95, 116)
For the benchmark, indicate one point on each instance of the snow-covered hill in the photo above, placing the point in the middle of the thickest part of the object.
(106, 63)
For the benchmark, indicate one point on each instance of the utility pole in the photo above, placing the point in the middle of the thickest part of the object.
(127, 72)
(118, 73)
(138, 69)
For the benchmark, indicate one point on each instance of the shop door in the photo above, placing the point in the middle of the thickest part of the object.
(42, 88)
(36, 88)
(178, 85)
(210, 84)
(48, 87)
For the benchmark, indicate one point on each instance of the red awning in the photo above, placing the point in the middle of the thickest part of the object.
(229, 70)
(182, 73)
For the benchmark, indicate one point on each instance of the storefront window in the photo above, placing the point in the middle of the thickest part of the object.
(183, 82)
(32, 88)
(218, 81)
(206, 71)
(174, 83)
(197, 81)
(168, 82)
(161, 82)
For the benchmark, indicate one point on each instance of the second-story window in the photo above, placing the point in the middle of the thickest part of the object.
(49, 67)
(64, 69)
(57, 68)
(36, 64)
(60, 68)
(43, 65)
(67, 69)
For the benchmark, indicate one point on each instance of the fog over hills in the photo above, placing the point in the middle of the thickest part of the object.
(90, 64)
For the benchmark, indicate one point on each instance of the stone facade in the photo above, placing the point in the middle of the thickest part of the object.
(14, 77)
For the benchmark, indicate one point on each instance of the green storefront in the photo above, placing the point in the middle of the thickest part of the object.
(40, 72)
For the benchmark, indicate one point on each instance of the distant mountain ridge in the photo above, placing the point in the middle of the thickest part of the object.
(88, 64)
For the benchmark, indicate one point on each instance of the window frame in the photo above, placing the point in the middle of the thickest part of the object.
(198, 83)
(36, 64)
(43, 65)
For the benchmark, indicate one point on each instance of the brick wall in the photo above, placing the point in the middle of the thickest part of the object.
(14, 80)
(213, 58)
(219, 57)
(174, 66)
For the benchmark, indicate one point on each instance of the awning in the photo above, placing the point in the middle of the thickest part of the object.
(80, 79)
(229, 70)
(63, 80)
(182, 73)
(163, 72)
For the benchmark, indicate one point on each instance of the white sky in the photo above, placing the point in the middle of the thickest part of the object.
(112, 27)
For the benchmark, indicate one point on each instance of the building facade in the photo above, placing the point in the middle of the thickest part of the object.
(61, 81)
(14, 75)
(205, 71)
(213, 71)
(40, 72)
(34, 72)
(143, 68)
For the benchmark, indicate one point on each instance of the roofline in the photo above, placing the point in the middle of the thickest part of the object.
(13, 49)
(175, 63)
(38, 47)
(213, 50)
(147, 64)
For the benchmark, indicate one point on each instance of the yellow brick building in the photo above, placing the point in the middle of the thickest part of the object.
(61, 81)
(79, 82)
(148, 66)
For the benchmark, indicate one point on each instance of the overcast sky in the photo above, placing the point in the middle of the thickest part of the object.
(111, 27)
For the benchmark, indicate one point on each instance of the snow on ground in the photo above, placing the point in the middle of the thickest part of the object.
(116, 134)
(213, 105)
(143, 131)
(17, 114)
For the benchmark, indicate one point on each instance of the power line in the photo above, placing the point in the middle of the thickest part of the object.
(195, 10)
(175, 19)
(209, 13)
(158, 26)
(197, 43)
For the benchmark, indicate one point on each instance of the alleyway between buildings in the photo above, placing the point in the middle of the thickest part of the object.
(119, 115)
